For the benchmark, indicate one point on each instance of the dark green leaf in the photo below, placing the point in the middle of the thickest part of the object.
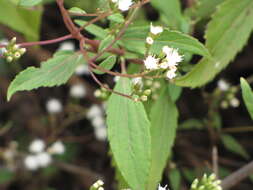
(108, 64)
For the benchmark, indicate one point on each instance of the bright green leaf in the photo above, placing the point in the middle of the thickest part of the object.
(226, 35)
(53, 72)
(247, 95)
(108, 64)
(233, 145)
(76, 10)
(163, 132)
(129, 136)
(29, 3)
(174, 91)
(117, 17)
(105, 43)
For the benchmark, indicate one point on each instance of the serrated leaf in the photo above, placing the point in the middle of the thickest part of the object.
(134, 40)
(108, 64)
(117, 17)
(226, 34)
(164, 117)
(53, 72)
(76, 10)
(29, 3)
(93, 29)
(247, 95)
(129, 136)
(105, 42)
(22, 20)
(232, 145)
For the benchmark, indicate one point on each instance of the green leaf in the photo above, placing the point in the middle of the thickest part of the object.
(29, 3)
(164, 117)
(134, 40)
(108, 64)
(53, 72)
(174, 91)
(191, 124)
(117, 17)
(129, 136)
(175, 179)
(105, 42)
(226, 35)
(247, 96)
(93, 29)
(24, 21)
(76, 10)
(6, 176)
(232, 145)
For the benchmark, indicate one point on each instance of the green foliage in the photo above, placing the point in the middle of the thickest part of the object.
(6, 176)
(233, 145)
(175, 179)
(29, 3)
(53, 72)
(129, 136)
(163, 132)
(117, 17)
(25, 21)
(247, 96)
(76, 10)
(105, 42)
(226, 34)
(108, 64)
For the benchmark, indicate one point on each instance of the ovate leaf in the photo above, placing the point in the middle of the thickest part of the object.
(247, 95)
(233, 145)
(53, 72)
(29, 3)
(129, 136)
(108, 64)
(105, 42)
(76, 10)
(164, 117)
(226, 35)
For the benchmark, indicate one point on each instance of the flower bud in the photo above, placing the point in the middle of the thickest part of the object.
(17, 55)
(144, 98)
(147, 92)
(9, 59)
(22, 51)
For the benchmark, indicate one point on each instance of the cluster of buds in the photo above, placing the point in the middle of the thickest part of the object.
(139, 91)
(155, 31)
(154, 85)
(12, 51)
(98, 185)
(102, 93)
(229, 92)
(206, 183)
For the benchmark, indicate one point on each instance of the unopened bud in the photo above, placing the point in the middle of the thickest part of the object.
(15, 47)
(144, 98)
(9, 59)
(17, 55)
(147, 92)
(13, 40)
(22, 51)
(97, 93)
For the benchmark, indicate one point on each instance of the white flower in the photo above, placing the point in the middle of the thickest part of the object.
(57, 148)
(31, 162)
(124, 5)
(67, 46)
(53, 106)
(171, 74)
(37, 146)
(78, 91)
(101, 133)
(162, 188)
(98, 121)
(164, 65)
(114, 1)
(94, 111)
(43, 159)
(149, 40)
(156, 29)
(234, 102)
(137, 81)
(116, 79)
(172, 56)
(223, 85)
(151, 62)
(82, 69)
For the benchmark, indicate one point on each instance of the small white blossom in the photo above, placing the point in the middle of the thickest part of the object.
(137, 81)
(98, 121)
(94, 111)
(156, 29)
(124, 5)
(223, 85)
(78, 91)
(31, 162)
(37, 146)
(67, 46)
(44, 159)
(172, 56)
(149, 40)
(82, 70)
(53, 106)
(151, 62)
(162, 188)
(57, 148)
(171, 74)
(164, 65)
(234, 102)
(116, 79)
(101, 133)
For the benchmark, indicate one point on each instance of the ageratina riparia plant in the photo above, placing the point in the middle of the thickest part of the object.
(150, 62)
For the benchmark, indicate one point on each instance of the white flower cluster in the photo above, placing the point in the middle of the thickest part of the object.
(154, 32)
(53, 106)
(40, 157)
(96, 115)
(97, 185)
(169, 63)
(162, 188)
(78, 91)
(123, 5)
(206, 183)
